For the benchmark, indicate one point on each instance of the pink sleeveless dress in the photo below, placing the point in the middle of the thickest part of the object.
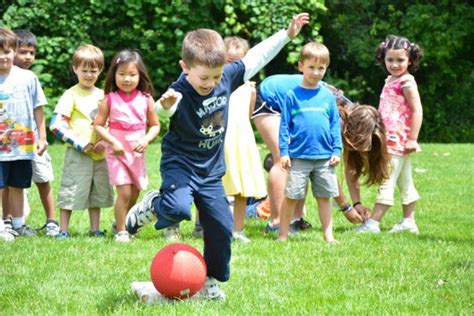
(127, 123)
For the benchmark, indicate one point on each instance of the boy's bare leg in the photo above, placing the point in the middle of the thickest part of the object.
(65, 216)
(325, 216)
(287, 210)
(94, 217)
(47, 199)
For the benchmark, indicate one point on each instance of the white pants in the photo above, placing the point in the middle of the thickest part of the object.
(401, 176)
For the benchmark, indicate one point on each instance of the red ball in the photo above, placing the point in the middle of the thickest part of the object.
(178, 271)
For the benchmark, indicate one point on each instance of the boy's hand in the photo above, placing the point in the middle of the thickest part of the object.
(354, 217)
(297, 24)
(169, 98)
(285, 162)
(412, 146)
(88, 148)
(99, 147)
(41, 147)
(334, 161)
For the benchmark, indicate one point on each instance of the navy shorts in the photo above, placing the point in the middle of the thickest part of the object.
(16, 173)
(262, 108)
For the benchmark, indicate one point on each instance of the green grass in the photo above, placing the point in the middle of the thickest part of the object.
(365, 274)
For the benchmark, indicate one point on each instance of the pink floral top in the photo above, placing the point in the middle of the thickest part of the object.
(396, 113)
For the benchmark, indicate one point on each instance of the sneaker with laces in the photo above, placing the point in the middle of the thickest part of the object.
(211, 290)
(172, 233)
(9, 228)
(62, 235)
(240, 236)
(300, 224)
(198, 232)
(405, 225)
(122, 236)
(6, 236)
(52, 228)
(26, 231)
(141, 213)
(368, 227)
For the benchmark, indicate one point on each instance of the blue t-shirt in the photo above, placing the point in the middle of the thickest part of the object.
(196, 134)
(310, 127)
(273, 89)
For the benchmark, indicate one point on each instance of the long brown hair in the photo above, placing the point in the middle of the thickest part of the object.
(365, 144)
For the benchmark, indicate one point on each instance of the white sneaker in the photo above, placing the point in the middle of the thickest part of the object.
(52, 228)
(141, 213)
(370, 226)
(172, 233)
(211, 290)
(122, 236)
(240, 236)
(405, 225)
(6, 236)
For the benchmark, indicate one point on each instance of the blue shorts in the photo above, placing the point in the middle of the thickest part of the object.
(16, 173)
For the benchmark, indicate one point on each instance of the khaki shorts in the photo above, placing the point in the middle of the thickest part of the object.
(85, 183)
(322, 175)
(401, 176)
(42, 169)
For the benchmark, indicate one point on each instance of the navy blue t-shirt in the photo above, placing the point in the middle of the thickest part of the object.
(197, 129)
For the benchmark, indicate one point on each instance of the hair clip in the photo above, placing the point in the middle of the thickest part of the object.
(118, 60)
(383, 45)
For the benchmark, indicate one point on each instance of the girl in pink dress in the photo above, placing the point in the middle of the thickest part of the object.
(402, 114)
(129, 109)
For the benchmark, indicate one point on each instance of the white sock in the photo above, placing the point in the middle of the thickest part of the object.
(17, 222)
(408, 220)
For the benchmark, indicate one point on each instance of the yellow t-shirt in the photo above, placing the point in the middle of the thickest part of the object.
(81, 107)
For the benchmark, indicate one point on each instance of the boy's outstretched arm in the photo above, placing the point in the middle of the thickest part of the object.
(265, 51)
(168, 103)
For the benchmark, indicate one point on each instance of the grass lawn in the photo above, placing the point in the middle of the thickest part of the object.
(432, 273)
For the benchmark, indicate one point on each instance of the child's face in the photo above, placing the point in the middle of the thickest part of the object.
(397, 61)
(127, 77)
(234, 54)
(7, 56)
(313, 71)
(25, 56)
(87, 75)
(202, 78)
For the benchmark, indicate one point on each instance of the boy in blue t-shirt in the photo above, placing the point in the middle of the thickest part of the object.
(310, 140)
(192, 162)
(21, 101)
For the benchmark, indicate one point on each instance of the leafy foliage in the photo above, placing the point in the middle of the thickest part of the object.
(350, 29)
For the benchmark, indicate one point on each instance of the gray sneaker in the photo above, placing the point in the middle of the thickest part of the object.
(141, 213)
(26, 231)
(172, 233)
(211, 290)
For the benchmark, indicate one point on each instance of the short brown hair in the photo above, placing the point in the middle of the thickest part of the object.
(88, 55)
(237, 43)
(313, 50)
(203, 47)
(8, 39)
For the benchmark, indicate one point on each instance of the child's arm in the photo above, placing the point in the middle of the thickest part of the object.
(413, 99)
(153, 131)
(168, 103)
(253, 97)
(283, 135)
(335, 135)
(41, 125)
(99, 127)
(259, 55)
(354, 191)
(59, 126)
